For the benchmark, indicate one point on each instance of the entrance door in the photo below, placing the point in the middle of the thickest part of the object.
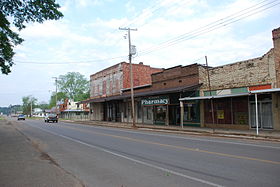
(160, 115)
(267, 115)
(174, 114)
(264, 114)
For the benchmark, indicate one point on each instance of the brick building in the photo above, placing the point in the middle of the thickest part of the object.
(158, 103)
(182, 95)
(106, 89)
(230, 99)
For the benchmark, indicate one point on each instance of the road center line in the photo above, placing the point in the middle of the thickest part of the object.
(178, 147)
(184, 138)
(132, 159)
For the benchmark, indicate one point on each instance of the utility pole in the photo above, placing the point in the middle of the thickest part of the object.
(131, 74)
(31, 108)
(212, 107)
(55, 94)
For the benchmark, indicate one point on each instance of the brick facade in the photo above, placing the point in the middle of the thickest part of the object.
(264, 70)
(258, 71)
(112, 80)
(106, 82)
(141, 74)
(177, 76)
(276, 42)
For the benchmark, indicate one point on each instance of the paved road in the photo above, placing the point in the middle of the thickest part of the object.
(101, 156)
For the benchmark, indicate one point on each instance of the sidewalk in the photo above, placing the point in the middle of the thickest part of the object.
(22, 164)
(246, 134)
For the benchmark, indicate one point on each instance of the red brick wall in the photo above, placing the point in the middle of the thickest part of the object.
(141, 74)
(176, 77)
(276, 42)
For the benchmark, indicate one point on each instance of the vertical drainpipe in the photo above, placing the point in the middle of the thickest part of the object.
(182, 114)
(257, 117)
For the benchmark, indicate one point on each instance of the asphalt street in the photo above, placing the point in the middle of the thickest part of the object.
(103, 156)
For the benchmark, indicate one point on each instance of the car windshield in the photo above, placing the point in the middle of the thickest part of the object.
(51, 115)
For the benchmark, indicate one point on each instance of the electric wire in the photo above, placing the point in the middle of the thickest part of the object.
(210, 27)
(183, 37)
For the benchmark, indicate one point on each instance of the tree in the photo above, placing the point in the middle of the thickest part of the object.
(75, 85)
(61, 96)
(43, 105)
(28, 102)
(21, 12)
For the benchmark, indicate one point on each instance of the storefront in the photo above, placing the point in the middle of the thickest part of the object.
(165, 109)
(257, 109)
(112, 111)
(155, 110)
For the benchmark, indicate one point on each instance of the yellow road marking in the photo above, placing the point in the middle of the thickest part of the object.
(177, 147)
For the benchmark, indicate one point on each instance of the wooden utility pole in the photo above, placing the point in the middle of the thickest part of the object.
(131, 75)
(210, 90)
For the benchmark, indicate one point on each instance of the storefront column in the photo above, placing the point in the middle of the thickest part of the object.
(257, 117)
(167, 116)
(182, 114)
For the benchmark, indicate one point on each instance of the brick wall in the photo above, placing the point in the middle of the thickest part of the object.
(106, 82)
(176, 77)
(141, 74)
(276, 42)
(111, 80)
(258, 71)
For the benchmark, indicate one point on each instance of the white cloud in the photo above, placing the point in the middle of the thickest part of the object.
(100, 38)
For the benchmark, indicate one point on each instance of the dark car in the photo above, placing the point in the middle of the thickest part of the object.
(21, 117)
(51, 117)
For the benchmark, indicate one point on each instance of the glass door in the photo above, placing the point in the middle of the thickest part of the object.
(160, 115)
(264, 114)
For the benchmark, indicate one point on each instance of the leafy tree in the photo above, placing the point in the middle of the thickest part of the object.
(20, 12)
(27, 101)
(61, 96)
(75, 85)
(43, 105)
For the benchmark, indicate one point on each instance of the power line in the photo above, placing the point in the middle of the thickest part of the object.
(69, 62)
(210, 27)
(174, 8)
(183, 37)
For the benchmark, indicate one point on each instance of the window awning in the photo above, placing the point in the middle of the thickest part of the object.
(231, 95)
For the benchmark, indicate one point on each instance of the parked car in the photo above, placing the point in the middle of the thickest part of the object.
(21, 117)
(51, 117)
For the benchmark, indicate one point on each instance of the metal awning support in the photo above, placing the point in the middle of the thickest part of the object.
(257, 117)
(182, 114)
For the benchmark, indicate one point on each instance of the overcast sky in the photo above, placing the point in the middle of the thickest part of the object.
(170, 32)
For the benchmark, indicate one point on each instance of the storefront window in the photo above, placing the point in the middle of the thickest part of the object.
(227, 111)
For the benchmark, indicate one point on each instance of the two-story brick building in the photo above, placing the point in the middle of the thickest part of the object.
(106, 102)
